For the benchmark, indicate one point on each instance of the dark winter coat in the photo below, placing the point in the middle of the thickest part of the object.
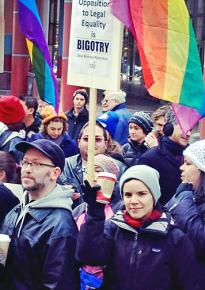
(75, 124)
(43, 242)
(132, 152)
(166, 158)
(68, 145)
(157, 257)
(7, 201)
(33, 128)
(189, 213)
(121, 132)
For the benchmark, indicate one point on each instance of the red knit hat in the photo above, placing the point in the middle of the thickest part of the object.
(11, 110)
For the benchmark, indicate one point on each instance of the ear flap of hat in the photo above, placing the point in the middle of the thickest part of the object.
(168, 129)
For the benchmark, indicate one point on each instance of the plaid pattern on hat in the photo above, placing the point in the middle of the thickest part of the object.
(143, 120)
(196, 154)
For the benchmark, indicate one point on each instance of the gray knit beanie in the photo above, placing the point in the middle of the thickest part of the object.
(196, 154)
(148, 175)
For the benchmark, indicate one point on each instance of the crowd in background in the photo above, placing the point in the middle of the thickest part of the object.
(149, 236)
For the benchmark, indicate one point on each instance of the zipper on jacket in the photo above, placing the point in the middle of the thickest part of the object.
(133, 256)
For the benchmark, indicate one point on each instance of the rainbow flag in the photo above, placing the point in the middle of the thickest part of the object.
(168, 51)
(31, 27)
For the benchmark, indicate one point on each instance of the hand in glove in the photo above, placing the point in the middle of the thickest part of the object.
(89, 195)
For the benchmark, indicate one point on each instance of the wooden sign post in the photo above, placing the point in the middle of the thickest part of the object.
(94, 57)
(91, 137)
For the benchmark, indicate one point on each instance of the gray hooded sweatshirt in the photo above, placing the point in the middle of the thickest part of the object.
(59, 197)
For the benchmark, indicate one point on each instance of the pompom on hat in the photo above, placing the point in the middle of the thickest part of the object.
(109, 121)
(196, 154)
(148, 175)
(107, 164)
(143, 120)
(48, 113)
(11, 110)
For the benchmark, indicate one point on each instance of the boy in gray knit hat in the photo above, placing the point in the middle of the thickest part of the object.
(140, 124)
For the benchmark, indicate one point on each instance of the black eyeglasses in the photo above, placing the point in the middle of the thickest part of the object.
(34, 165)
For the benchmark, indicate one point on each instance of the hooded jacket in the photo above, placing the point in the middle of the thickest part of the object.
(43, 240)
(156, 257)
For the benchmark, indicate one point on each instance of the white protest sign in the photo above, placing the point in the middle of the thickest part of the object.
(95, 46)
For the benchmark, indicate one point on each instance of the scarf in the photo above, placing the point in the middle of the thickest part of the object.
(58, 140)
(155, 215)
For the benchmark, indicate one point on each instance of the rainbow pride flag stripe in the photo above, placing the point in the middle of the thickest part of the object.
(168, 50)
(31, 28)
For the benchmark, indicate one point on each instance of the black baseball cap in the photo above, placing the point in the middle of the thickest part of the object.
(48, 148)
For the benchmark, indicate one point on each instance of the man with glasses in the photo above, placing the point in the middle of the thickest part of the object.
(42, 230)
(116, 101)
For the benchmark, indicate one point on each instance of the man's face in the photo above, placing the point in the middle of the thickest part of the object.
(79, 102)
(35, 177)
(159, 124)
(178, 136)
(108, 103)
(136, 133)
(28, 111)
(100, 142)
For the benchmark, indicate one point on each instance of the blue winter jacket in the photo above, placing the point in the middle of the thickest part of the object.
(188, 210)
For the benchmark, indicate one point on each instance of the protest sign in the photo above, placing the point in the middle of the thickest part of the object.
(95, 46)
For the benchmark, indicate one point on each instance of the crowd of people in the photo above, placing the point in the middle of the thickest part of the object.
(149, 235)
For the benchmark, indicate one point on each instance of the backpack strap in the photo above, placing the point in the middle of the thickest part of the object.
(4, 136)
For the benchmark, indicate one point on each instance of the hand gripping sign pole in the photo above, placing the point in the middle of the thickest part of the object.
(94, 56)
